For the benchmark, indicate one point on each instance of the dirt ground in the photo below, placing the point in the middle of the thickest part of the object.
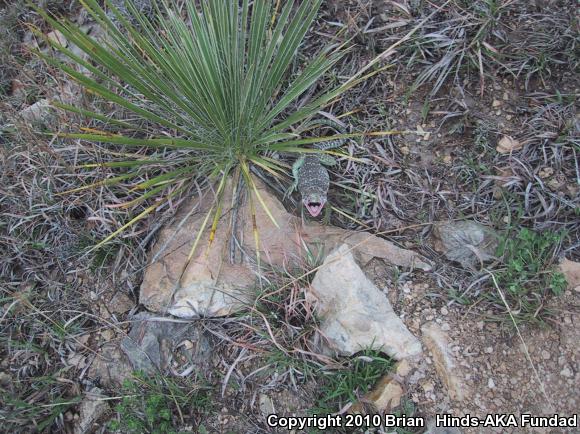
(487, 92)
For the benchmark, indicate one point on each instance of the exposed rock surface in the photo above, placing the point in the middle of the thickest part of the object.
(110, 366)
(437, 342)
(571, 271)
(210, 285)
(508, 144)
(354, 313)
(91, 409)
(466, 242)
(151, 341)
(385, 396)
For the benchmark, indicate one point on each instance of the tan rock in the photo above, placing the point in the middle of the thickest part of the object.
(120, 303)
(436, 341)
(403, 368)
(571, 271)
(386, 395)
(210, 285)
(508, 144)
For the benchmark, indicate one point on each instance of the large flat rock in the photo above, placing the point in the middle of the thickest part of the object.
(211, 284)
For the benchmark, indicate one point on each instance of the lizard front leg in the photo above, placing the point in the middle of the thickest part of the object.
(295, 169)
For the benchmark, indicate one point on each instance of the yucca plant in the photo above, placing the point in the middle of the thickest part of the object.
(211, 77)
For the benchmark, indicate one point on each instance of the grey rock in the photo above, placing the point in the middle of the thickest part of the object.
(432, 428)
(152, 339)
(111, 367)
(91, 409)
(466, 242)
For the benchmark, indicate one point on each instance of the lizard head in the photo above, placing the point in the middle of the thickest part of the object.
(314, 203)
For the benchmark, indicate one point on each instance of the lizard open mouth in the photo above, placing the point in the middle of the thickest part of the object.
(314, 208)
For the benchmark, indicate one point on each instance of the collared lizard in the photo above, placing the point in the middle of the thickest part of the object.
(311, 176)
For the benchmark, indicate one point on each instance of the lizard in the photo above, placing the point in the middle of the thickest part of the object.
(311, 177)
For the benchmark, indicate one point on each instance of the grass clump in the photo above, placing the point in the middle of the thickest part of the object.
(354, 378)
(528, 276)
(158, 405)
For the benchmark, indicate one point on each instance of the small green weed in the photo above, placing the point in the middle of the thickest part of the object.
(155, 405)
(528, 276)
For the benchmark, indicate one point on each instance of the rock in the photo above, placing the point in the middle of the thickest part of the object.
(111, 367)
(120, 303)
(432, 428)
(91, 409)
(57, 37)
(37, 112)
(403, 368)
(508, 144)
(496, 103)
(571, 271)
(266, 405)
(437, 342)
(354, 313)
(5, 379)
(427, 386)
(384, 397)
(211, 285)
(466, 242)
(151, 340)
(546, 172)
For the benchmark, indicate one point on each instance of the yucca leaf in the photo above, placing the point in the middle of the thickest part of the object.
(105, 182)
(129, 141)
(219, 203)
(170, 176)
(131, 163)
(210, 79)
(91, 115)
(250, 182)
